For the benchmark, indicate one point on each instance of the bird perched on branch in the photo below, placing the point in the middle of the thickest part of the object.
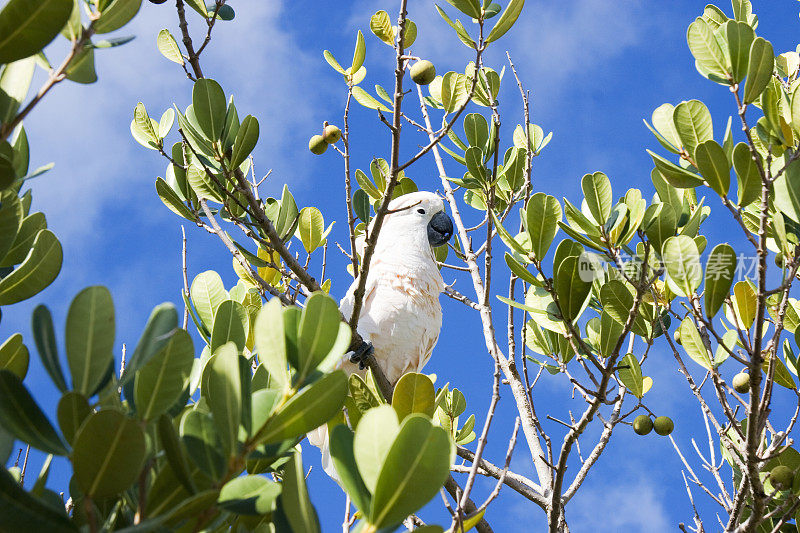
(401, 316)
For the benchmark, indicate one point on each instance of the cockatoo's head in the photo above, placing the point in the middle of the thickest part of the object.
(416, 212)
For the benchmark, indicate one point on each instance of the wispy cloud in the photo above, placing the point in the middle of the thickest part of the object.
(634, 506)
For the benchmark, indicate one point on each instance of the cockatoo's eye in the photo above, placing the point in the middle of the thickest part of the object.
(421, 211)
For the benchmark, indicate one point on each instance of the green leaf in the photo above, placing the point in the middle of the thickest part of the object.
(73, 409)
(749, 180)
(630, 374)
(713, 165)
(309, 409)
(319, 327)
(659, 224)
(161, 323)
(22, 511)
(705, 48)
(720, 269)
(210, 107)
(787, 192)
(199, 435)
(476, 130)
(693, 124)
(116, 14)
(366, 100)
(740, 37)
(15, 81)
(692, 342)
(11, 217)
(249, 495)
(572, 289)
(359, 53)
(81, 68)
(207, 292)
(597, 191)
(415, 468)
(270, 342)
(610, 332)
(374, 437)
(463, 36)
(744, 303)
(224, 395)
(108, 454)
(90, 338)
(414, 393)
(169, 47)
(342, 453)
(14, 356)
(160, 382)
(231, 324)
(543, 213)
(294, 499)
(45, 339)
(673, 174)
(759, 69)
(468, 7)
(174, 452)
(381, 26)
(22, 417)
(30, 227)
(682, 261)
(27, 26)
(506, 20)
(332, 62)
(173, 202)
(311, 226)
(38, 270)
(246, 139)
(617, 301)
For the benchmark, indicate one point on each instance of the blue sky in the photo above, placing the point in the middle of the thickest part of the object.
(595, 69)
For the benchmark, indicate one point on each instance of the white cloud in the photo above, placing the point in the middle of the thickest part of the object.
(634, 506)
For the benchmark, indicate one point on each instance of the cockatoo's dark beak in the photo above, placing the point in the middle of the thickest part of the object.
(440, 229)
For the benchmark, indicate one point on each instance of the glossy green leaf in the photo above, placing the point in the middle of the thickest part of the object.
(597, 191)
(506, 20)
(341, 445)
(610, 332)
(45, 339)
(543, 213)
(682, 261)
(693, 124)
(224, 394)
(27, 26)
(14, 356)
(692, 342)
(108, 454)
(747, 175)
(22, 511)
(309, 409)
(246, 139)
(169, 47)
(414, 470)
(311, 227)
(374, 437)
(673, 174)
(381, 25)
(720, 269)
(759, 70)
(210, 107)
(319, 327)
(630, 374)
(81, 69)
(573, 285)
(22, 417)
(713, 165)
(11, 217)
(295, 501)
(740, 37)
(203, 444)
(745, 303)
(90, 338)
(207, 292)
(116, 14)
(476, 129)
(38, 270)
(270, 342)
(173, 450)
(618, 301)
(73, 408)
(173, 202)
(249, 495)
(659, 224)
(705, 47)
(28, 230)
(160, 382)
(359, 53)
(414, 393)
(366, 100)
(15, 81)
(231, 324)
(787, 192)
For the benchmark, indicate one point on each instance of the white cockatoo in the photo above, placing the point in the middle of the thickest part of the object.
(401, 316)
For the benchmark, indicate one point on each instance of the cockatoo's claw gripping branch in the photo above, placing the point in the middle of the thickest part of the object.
(360, 354)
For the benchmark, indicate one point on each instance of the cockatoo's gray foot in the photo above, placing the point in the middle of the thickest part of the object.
(360, 354)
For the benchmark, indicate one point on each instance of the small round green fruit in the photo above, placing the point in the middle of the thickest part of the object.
(779, 260)
(331, 134)
(741, 382)
(677, 336)
(663, 425)
(423, 72)
(225, 12)
(781, 477)
(642, 425)
(317, 145)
